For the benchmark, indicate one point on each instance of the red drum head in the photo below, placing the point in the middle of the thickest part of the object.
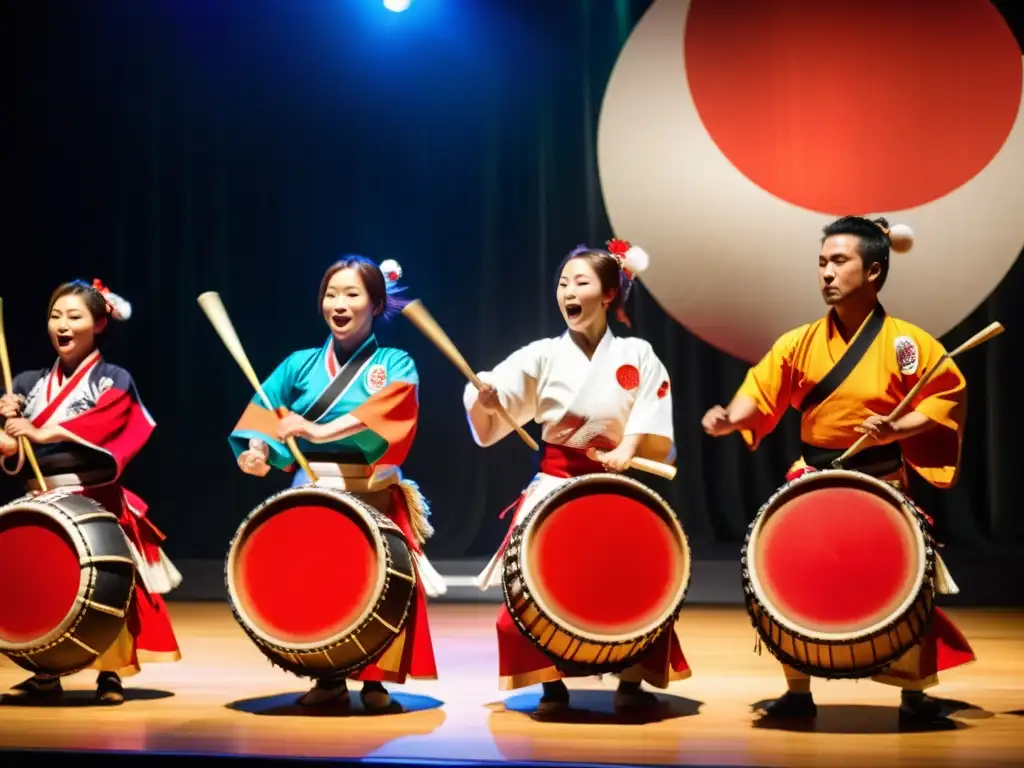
(838, 556)
(40, 576)
(304, 568)
(605, 556)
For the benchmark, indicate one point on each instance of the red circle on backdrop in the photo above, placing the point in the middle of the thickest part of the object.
(628, 377)
(854, 106)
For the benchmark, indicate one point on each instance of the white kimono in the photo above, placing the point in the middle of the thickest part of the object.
(582, 403)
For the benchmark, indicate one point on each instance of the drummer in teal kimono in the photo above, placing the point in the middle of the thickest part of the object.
(352, 407)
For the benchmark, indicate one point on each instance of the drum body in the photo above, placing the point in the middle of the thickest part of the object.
(321, 581)
(838, 570)
(66, 580)
(596, 572)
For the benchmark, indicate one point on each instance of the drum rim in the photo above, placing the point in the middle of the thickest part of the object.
(359, 507)
(45, 504)
(527, 528)
(768, 607)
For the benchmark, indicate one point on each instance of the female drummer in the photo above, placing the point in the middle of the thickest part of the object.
(86, 422)
(353, 407)
(601, 400)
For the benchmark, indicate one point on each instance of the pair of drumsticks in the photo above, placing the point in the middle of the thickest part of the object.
(422, 319)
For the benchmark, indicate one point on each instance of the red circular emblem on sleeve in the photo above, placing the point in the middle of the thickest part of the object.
(376, 378)
(628, 377)
(663, 389)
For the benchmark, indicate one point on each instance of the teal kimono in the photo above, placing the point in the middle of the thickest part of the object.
(376, 385)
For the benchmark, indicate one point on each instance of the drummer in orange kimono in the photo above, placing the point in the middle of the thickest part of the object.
(845, 373)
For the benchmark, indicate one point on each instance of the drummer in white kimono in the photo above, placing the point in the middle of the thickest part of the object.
(602, 400)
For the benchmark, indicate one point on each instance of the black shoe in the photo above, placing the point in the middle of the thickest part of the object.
(108, 688)
(376, 698)
(40, 686)
(632, 696)
(795, 705)
(919, 707)
(326, 691)
(555, 698)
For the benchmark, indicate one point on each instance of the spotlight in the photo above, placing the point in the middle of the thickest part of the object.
(397, 5)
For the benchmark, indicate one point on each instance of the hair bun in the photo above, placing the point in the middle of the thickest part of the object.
(902, 238)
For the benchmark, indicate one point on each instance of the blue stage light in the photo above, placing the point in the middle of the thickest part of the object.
(397, 5)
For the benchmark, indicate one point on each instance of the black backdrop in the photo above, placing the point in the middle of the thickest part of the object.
(171, 147)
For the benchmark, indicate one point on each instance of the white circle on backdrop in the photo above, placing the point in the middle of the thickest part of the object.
(737, 265)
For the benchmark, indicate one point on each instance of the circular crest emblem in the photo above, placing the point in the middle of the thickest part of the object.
(376, 378)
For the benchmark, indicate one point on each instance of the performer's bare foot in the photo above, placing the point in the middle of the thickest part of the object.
(326, 691)
(376, 699)
(794, 705)
(554, 699)
(41, 687)
(919, 707)
(631, 696)
(108, 688)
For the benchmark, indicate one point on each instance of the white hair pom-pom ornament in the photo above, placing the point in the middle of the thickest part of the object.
(902, 238)
(636, 260)
(119, 308)
(392, 272)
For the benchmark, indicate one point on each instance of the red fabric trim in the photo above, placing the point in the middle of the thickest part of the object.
(76, 378)
(116, 424)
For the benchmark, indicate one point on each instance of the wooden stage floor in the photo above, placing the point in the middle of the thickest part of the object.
(225, 698)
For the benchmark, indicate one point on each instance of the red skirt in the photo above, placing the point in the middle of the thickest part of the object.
(411, 653)
(148, 636)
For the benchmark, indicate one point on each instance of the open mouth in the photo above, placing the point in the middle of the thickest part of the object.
(63, 340)
(341, 321)
(573, 310)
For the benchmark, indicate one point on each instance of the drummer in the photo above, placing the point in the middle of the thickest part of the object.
(86, 422)
(601, 400)
(845, 373)
(353, 408)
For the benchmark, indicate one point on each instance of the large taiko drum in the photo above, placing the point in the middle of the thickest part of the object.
(838, 574)
(321, 581)
(596, 572)
(66, 580)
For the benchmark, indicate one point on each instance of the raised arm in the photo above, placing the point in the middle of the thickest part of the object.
(515, 381)
(763, 397)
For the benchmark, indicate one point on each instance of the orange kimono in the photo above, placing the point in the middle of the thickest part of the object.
(837, 386)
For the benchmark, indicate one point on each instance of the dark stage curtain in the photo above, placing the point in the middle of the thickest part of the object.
(174, 147)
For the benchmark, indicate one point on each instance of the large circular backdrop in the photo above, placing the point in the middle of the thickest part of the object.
(732, 131)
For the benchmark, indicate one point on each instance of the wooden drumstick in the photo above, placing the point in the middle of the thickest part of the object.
(666, 471)
(213, 307)
(5, 364)
(980, 337)
(423, 320)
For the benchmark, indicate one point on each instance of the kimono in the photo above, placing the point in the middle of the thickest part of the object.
(379, 387)
(581, 403)
(836, 386)
(99, 407)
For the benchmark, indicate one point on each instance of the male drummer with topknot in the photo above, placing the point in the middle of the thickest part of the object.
(845, 372)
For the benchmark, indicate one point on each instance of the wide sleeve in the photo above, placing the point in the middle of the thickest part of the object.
(392, 412)
(515, 379)
(769, 384)
(935, 454)
(117, 425)
(260, 423)
(651, 415)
